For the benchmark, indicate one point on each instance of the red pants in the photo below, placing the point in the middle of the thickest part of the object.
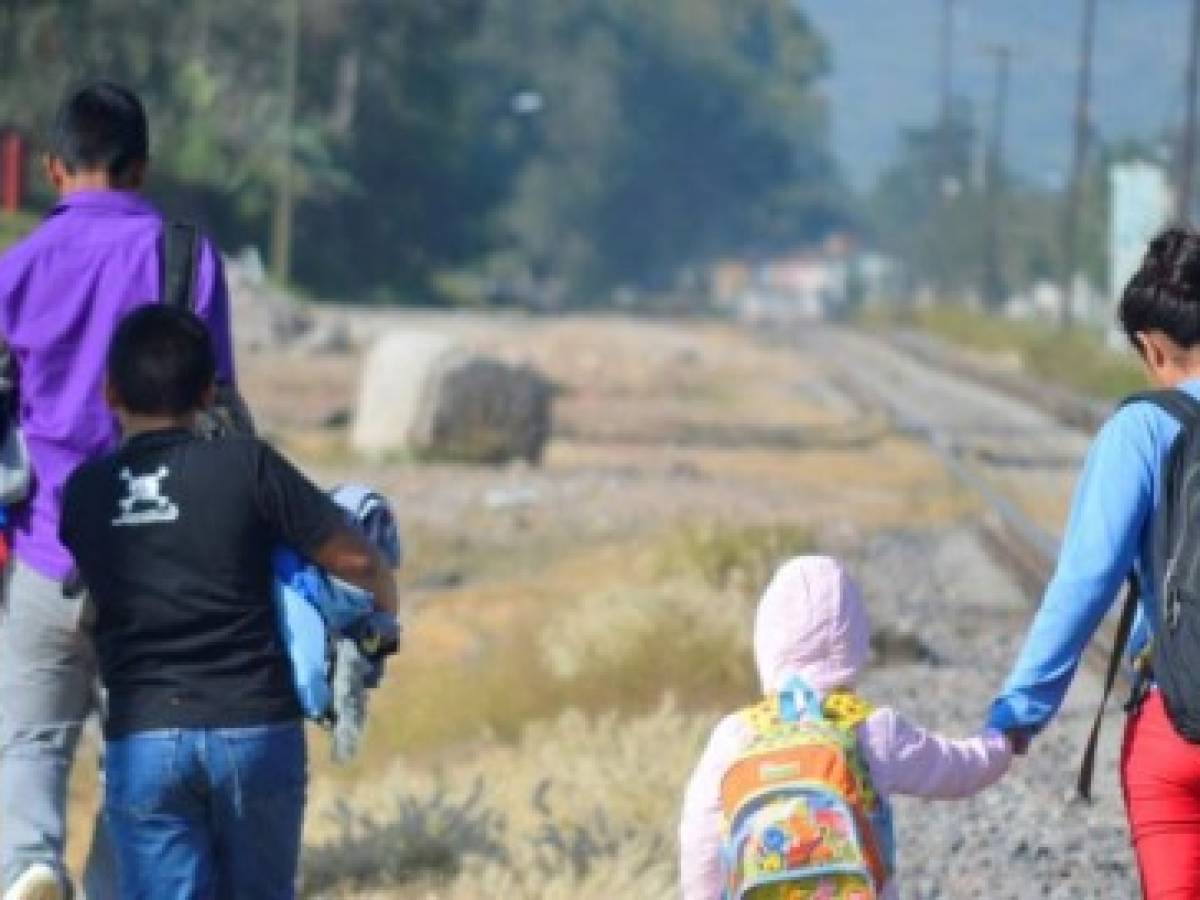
(1160, 777)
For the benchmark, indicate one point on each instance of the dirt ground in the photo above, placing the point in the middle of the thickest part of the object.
(660, 428)
(654, 423)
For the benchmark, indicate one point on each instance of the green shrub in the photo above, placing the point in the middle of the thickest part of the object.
(1078, 359)
(581, 807)
(741, 559)
(15, 227)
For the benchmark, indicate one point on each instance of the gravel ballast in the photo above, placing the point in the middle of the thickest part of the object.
(1025, 837)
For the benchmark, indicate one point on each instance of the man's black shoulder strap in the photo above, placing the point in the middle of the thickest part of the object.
(180, 258)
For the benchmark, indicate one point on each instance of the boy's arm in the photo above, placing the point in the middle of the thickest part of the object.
(212, 306)
(307, 520)
(907, 759)
(701, 826)
(351, 557)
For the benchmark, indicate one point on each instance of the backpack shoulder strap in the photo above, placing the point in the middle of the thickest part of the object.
(762, 717)
(846, 709)
(795, 704)
(1124, 628)
(180, 258)
(1178, 404)
(843, 709)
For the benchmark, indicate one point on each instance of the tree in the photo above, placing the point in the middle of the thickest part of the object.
(417, 189)
(928, 210)
(671, 133)
(213, 97)
(567, 147)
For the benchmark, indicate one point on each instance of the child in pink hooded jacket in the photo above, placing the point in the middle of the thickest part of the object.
(811, 625)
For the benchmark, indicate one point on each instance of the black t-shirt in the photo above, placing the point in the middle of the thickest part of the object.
(173, 537)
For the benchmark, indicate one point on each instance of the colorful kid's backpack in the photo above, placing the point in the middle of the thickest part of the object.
(803, 821)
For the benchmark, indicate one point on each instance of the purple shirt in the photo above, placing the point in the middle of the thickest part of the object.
(62, 292)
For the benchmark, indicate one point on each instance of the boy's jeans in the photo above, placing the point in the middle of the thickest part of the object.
(47, 690)
(207, 814)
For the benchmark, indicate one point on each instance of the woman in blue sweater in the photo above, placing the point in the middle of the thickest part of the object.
(1107, 537)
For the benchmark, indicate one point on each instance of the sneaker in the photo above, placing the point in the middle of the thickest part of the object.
(38, 882)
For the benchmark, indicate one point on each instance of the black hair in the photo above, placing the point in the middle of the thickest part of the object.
(1164, 293)
(101, 126)
(161, 361)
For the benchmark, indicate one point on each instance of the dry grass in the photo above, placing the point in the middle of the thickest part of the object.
(610, 628)
(541, 679)
(740, 560)
(1078, 359)
(84, 802)
(579, 807)
(1043, 500)
(538, 759)
(502, 793)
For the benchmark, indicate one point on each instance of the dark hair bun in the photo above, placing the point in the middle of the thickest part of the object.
(1164, 294)
(1172, 264)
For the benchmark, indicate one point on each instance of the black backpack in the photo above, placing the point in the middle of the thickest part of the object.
(1175, 570)
(180, 257)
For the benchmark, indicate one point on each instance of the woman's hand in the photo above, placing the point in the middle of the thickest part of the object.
(1018, 740)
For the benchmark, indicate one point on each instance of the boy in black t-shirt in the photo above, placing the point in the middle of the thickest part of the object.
(172, 535)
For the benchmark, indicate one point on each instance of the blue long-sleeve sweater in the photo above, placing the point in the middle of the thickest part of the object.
(1107, 534)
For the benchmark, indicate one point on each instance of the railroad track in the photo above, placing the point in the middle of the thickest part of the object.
(974, 428)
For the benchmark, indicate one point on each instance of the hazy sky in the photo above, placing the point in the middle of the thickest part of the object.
(886, 72)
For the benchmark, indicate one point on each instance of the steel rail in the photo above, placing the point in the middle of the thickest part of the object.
(1025, 549)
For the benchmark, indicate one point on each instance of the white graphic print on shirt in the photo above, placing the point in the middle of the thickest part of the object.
(144, 502)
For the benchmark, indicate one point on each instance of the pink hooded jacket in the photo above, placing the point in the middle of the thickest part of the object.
(811, 624)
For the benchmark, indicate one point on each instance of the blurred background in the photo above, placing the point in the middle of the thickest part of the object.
(716, 260)
(550, 155)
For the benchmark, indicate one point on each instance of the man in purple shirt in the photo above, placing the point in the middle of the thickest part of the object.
(97, 255)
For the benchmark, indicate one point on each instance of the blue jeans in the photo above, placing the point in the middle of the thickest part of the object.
(207, 814)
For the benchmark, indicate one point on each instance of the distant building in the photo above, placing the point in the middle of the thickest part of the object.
(827, 281)
(1044, 300)
(728, 281)
(876, 278)
(809, 283)
(1142, 205)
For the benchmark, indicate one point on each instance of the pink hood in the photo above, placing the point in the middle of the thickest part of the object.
(811, 623)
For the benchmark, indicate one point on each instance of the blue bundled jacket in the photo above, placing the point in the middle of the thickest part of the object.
(315, 609)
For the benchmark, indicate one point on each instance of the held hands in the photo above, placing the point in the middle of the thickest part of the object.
(1018, 740)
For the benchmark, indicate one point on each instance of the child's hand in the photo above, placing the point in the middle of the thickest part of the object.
(1018, 740)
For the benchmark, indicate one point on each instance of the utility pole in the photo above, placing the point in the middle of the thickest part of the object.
(993, 274)
(1083, 129)
(946, 173)
(285, 201)
(1184, 193)
(947, 95)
